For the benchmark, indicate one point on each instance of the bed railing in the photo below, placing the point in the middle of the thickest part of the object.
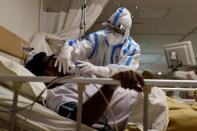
(81, 86)
(81, 81)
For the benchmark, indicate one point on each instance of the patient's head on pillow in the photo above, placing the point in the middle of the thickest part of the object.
(37, 65)
(41, 65)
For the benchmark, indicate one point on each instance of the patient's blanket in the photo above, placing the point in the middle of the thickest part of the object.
(182, 117)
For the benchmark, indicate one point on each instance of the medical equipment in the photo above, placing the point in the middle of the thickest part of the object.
(83, 18)
(180, 55)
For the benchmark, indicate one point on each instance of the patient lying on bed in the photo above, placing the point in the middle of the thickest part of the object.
(96, 112)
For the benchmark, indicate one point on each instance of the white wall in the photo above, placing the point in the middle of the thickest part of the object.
(20, 16)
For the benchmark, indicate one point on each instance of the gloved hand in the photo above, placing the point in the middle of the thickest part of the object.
(130, 80)
(85, 68)
(63, 60)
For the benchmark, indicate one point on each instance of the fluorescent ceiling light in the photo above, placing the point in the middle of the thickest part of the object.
(149, 58)
(144, 66)
(149, 13)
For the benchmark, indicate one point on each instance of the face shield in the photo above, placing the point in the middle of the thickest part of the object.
(115, 34)
(114, 29)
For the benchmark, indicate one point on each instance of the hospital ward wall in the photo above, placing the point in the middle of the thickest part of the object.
(20, 16)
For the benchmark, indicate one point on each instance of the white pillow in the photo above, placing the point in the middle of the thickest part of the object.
(9, 67)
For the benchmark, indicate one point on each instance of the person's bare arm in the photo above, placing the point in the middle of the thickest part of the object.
(94, 107)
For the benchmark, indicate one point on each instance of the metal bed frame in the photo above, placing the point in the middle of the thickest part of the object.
(81, 81)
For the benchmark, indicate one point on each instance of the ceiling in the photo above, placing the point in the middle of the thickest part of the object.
(157, 22)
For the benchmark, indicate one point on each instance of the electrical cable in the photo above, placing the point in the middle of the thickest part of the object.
(109, 107)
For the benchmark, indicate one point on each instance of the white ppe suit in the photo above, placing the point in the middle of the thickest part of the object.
(104, 58)
(108, 59)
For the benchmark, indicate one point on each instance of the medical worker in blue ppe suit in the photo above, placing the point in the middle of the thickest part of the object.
(105, 52)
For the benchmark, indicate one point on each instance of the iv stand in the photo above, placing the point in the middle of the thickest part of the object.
(83, 19)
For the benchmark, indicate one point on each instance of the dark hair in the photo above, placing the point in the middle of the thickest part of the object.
(38, 64)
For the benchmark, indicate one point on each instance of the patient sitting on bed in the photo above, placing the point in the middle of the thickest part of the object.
(96, 112)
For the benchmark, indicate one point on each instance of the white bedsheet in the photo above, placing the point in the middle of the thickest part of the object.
(40, 118)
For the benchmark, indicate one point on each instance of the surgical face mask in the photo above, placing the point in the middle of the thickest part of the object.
(114, 38)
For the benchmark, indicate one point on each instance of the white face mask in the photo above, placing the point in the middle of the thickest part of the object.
(114, 39)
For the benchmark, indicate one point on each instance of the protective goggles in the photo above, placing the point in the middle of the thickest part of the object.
(113, 28)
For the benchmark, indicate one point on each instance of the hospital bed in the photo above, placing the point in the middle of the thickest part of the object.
(16, 94)
(39, 117)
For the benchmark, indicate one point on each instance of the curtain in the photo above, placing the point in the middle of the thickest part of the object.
(66, 24)
(62, 23)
